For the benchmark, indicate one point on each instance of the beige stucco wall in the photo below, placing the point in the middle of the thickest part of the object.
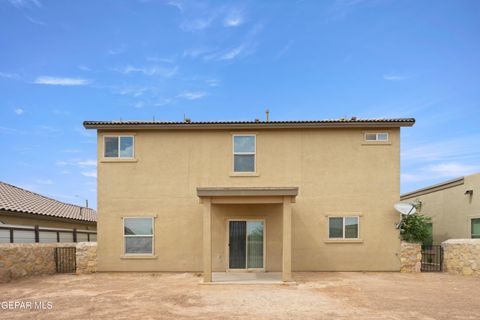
(48, 222)
(451, 210)
(336, 174)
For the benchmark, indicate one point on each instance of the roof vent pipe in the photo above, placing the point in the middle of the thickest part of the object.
(266, 113)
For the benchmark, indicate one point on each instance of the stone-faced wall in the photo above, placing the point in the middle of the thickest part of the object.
(410, 257)
(86, 257)
(462, 256)
(18, 260)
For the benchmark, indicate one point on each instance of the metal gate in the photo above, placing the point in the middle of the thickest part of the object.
(432, 258)
(65, 259)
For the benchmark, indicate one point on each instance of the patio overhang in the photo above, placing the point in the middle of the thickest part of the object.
(247, 194)
(251, 195)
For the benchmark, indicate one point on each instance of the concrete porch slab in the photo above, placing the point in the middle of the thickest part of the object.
(247, 278)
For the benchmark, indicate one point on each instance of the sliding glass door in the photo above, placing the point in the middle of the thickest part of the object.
(246, 244)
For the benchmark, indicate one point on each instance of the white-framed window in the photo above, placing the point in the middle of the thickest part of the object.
(376, 136)
(346, 227)
(244, 153)
(118, 146)
(138, 235)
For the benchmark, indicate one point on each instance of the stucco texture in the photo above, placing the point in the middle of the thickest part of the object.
(335, 171)
(451, 210)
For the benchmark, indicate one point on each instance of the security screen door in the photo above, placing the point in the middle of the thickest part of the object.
(246, 244)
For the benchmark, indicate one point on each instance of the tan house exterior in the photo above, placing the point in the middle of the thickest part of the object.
(298, 195)
(454, 207)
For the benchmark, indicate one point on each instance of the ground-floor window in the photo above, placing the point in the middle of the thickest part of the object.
(343, 227)
(476, 228)
(138, 235)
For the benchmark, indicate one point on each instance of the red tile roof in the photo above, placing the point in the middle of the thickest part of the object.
(20, 200)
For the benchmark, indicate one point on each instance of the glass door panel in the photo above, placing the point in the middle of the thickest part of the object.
(255, 244)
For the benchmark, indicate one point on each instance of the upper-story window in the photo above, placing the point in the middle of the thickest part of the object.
(118, 147)
(376, 136)
(244, 148)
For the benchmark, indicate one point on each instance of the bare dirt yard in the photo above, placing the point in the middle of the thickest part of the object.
(340, 295)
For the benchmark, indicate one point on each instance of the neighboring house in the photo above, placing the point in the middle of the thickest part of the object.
(249, 196)
(20, 207)
(454, 207)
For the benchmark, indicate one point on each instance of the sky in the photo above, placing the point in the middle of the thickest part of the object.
(63, 62)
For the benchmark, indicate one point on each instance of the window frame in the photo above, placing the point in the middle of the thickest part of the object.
(474, 236)
(376, 136)
(254, 153)
(343, 227)
(119, 136)
(125, 253)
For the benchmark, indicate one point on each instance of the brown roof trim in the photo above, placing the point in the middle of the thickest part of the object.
(246, 191)
(310, 124)
(28, 215)
(433, 188)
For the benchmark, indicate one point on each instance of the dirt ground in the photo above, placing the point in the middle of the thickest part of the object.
(339, 295)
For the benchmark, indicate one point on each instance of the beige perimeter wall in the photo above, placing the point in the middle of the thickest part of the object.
(337, 174)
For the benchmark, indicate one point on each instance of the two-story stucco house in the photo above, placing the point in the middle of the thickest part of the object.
(277, 196)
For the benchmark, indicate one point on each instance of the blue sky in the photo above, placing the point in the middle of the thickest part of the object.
(62, 62)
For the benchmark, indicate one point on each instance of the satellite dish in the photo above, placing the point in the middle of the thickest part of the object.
(405, 208)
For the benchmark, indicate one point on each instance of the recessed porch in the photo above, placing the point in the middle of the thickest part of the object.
(228, 214)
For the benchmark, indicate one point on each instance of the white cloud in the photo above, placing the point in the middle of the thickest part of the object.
(232, 54)
(150, 71)
(139, 104)
(87, 163)
(234, 18)
(453, 149)
(9, 75)
(56, 81)
(395, 77)
(84, 68)
(92, 174)
(7, 130)
(192, 95)
(25, 3)
(132, 91)
(342, 8)
(78, 163)
(212, 82)
(19, 111)
(84, 132)
(116, 51)
(198, 16)
(35, 21)
(439, 172)
(452, 169)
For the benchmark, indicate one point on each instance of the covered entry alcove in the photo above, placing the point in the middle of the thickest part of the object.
(247, 229)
